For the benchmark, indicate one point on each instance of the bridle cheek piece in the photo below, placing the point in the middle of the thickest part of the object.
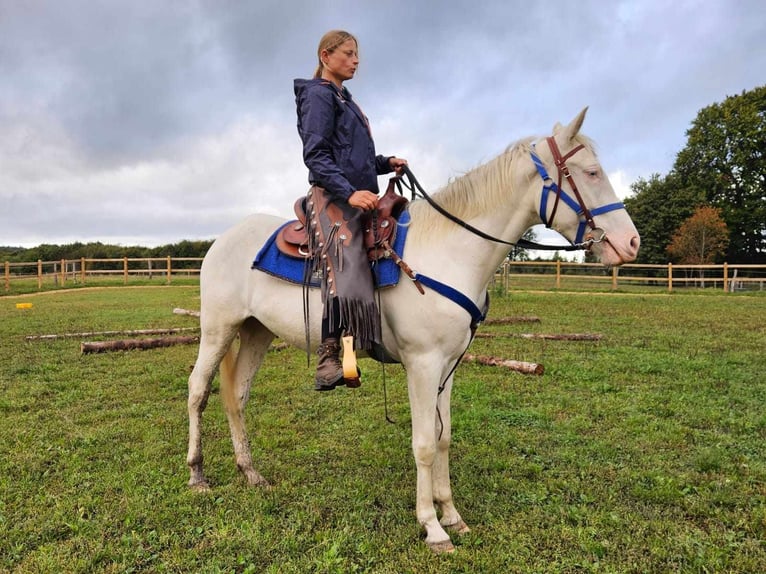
(576, 204)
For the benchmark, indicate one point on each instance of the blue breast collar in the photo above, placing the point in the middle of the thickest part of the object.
(477, 315)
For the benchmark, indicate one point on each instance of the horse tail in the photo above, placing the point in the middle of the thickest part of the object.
(227, 372)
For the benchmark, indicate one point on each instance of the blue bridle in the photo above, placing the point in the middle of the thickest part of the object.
(577, 205)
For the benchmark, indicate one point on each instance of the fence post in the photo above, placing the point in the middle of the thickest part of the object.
(725, 277)
(169, 269)
(7, 276)
(63, 272)
(558, 274)
(39, 274)
(614, 277)
(82, 270)
(125, 270)
(670, 277)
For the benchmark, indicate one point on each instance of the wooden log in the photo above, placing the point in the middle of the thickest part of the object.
(128, 344)
(518, 366)
(563, 337)
(179, 311)
(510, 320)
(167, 331)
(547, 336)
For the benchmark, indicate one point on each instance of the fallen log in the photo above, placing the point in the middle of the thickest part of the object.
(179, 311)
(518, 366)
(510, 320)
(129, 344)
(547, 336)
(167, 331)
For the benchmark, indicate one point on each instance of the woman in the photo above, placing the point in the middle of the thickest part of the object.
(340, 154)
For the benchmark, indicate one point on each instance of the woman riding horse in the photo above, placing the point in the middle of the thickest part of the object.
(340, 154)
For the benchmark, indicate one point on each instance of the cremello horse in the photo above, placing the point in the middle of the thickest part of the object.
(426, 333)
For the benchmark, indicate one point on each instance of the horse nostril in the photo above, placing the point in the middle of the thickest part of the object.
(635, 242)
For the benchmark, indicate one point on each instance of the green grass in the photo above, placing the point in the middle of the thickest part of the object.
(643, 452)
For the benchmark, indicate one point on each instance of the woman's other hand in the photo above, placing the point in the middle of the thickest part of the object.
(397, 164)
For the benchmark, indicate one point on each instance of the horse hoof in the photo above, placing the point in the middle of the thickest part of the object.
(459, 528)
(445, 547)
(200, 486)
(258, 481)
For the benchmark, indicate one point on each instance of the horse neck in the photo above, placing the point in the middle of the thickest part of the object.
(495, 198)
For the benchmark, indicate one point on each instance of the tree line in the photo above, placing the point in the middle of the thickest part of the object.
(98, 250)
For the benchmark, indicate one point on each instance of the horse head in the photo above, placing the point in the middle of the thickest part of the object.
(577, 199)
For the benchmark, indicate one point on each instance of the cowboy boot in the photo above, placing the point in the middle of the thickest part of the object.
(329, 368)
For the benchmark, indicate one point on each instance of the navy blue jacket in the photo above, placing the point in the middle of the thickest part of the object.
(337, 142)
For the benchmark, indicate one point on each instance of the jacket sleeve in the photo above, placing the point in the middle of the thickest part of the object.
(316, 113)
(381, 164)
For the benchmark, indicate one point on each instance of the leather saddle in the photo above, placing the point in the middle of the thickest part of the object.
(379, 227)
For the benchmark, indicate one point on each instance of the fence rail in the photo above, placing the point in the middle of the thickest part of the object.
(511, 275)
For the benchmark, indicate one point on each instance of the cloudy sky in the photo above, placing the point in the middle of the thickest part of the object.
(148, 122)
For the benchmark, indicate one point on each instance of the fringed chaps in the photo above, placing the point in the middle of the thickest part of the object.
(336, 242)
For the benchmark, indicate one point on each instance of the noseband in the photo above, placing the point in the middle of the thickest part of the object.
(577, 204)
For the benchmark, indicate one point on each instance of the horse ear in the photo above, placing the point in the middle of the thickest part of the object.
(574, 126)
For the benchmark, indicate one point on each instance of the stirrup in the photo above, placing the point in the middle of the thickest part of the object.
(351, 373)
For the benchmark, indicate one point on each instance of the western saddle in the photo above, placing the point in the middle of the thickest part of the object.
(379, 229)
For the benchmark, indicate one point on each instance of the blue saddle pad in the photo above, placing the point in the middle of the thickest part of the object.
(272, 261)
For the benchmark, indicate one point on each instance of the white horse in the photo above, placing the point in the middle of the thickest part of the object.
(426, 333)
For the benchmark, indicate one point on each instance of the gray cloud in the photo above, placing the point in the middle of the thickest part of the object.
(151, 122)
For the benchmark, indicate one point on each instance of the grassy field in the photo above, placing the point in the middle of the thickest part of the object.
(642, 452)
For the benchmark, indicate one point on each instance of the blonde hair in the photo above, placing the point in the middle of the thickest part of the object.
(330, 42)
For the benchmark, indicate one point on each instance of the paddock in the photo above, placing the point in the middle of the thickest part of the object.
(640, 451)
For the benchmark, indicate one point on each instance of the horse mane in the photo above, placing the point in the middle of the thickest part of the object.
(478, 191)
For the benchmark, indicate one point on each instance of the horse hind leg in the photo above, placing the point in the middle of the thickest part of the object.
(213, 346)
(236, 379)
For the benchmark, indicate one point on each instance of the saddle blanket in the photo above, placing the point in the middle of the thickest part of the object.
(272, 261)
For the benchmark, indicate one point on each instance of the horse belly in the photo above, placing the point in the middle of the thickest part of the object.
(279, 306)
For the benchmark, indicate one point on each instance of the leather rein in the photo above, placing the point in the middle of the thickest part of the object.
(577, 205)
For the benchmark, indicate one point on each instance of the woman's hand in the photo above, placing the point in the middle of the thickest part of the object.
(363, 199)
(397, 164)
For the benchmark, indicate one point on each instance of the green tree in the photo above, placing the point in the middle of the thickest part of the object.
(725, 161)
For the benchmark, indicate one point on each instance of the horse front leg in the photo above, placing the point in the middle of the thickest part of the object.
(451, 518)
(423, 383)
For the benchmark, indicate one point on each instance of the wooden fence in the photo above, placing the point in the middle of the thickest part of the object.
(59, 273)
(511, 275)
(562, 274)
